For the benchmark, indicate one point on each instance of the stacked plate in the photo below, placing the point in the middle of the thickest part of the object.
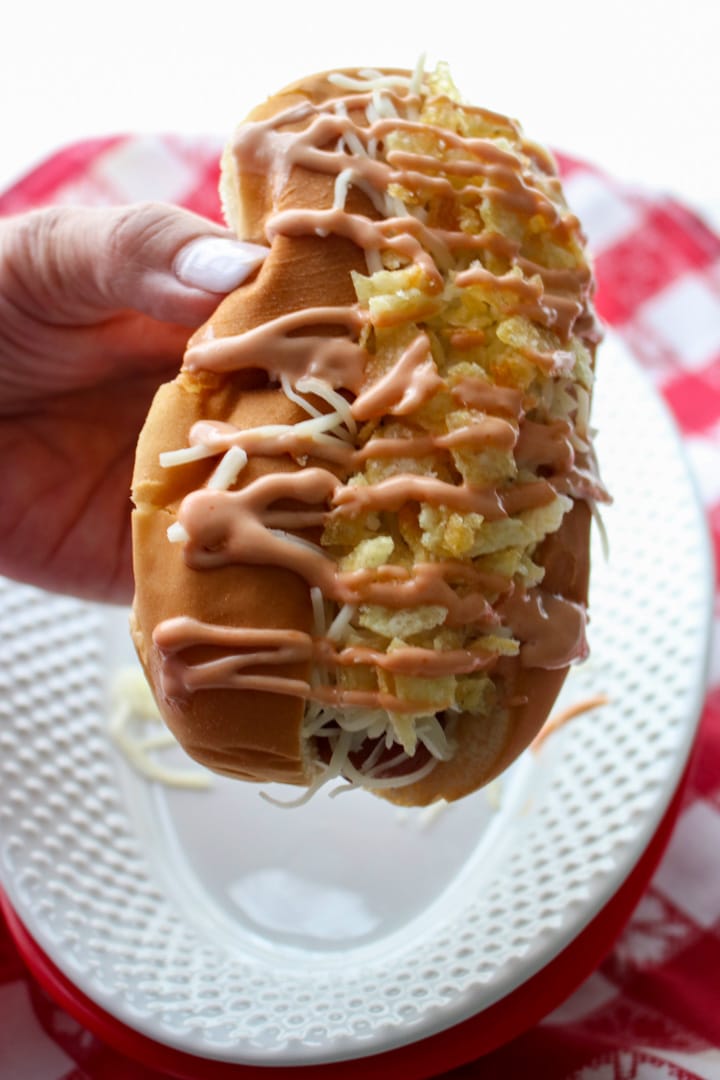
(195, 927)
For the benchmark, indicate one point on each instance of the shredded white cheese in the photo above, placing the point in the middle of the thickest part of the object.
(343, 180)
(329, 772)
(322, 389)
(300, 540)
(384, 106)
(170, 458)
(177, 533)
(318, 605)
(417, 76)
(350, 139)
(340, 765)
(230, 467)
(582, 418)
(431, 813)
(602, 531)
(315, 429)
(377, 198)
(338, 628)
(134, 711)
(289, 392)
(370, 80)
(375, 783)
(431, 734)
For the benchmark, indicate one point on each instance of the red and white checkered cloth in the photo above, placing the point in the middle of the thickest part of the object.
(653, 1007)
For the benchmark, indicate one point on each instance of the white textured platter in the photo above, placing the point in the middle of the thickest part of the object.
(226, 927)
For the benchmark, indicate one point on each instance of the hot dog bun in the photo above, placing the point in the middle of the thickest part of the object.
(426, 288)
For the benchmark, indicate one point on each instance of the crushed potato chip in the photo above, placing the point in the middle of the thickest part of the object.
(369, 554)
(496, 643)
(534, 342)
(541, 520)
(475, 694)
(347, 532)
(485, 332)
(358, 677)
(439, 693)
(403, 624)
(405, 730)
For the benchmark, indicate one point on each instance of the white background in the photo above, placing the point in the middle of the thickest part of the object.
(631, 86)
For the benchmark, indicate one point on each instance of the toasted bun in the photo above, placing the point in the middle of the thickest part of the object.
(253, 734)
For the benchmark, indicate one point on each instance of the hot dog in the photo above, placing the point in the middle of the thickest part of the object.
(362, 509)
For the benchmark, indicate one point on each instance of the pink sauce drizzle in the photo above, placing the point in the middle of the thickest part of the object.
(247, 526)
(412, 381)
(265, 648)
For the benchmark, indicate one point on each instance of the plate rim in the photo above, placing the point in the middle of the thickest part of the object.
(460, 1037)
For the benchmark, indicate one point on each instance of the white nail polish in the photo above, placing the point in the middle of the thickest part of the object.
(217, 264)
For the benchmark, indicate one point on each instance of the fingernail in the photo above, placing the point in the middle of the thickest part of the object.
(217, 264)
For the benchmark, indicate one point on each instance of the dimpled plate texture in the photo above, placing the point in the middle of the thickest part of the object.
(222, 925)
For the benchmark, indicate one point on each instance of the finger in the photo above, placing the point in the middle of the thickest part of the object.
(78, 265)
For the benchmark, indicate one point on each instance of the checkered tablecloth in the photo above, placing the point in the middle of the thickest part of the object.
(653, 1008)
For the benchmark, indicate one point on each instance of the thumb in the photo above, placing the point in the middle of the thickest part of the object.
(70, 266)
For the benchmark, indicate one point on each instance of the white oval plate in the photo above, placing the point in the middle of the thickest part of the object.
(226, 927)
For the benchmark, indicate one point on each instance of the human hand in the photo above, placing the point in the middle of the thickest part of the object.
(96, 306)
